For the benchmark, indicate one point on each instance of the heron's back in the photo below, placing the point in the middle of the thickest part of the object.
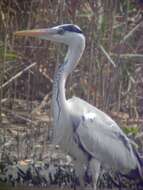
(80, 107)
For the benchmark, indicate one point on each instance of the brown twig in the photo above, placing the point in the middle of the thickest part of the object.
(42, 105)
(127, 36)
(107, 55)
(17, 75)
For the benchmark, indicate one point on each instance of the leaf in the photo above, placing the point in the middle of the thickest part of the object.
(131, 130)
(9, 56)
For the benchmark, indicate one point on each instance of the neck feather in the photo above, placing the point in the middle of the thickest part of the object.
(59, 102)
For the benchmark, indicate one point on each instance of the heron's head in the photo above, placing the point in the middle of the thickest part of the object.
(66, 33)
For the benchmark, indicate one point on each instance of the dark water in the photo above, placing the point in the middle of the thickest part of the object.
(8, 187)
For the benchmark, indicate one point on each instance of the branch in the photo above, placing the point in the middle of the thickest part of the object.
(16, 115)
(17, 75)
(4, 100)
(129, 57)
(38, 109)
(107, 55)
(127, 36)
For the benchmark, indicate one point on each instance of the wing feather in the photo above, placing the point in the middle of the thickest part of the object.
(111, 147)
(101, 137)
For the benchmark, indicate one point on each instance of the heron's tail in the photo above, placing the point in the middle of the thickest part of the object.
(138, 172)
(134, 177)
(140, 163)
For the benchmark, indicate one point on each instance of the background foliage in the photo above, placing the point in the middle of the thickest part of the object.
(109, 75)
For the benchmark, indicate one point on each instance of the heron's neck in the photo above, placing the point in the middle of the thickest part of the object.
(59, 98)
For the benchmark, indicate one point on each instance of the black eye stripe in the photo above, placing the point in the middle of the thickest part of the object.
(61, 31)
(71, 28)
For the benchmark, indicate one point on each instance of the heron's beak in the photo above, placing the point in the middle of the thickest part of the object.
(36, 32)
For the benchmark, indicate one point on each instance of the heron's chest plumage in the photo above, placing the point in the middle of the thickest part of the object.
(65, 136)
(70, 146)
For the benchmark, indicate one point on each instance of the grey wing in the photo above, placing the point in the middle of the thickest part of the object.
(107, 144)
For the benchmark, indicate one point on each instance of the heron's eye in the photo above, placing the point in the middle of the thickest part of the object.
(61, 31)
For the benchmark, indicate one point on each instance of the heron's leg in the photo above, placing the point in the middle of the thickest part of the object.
(79, 169)
(94, 167)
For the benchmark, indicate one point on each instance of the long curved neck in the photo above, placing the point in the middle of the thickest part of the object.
(59, 102)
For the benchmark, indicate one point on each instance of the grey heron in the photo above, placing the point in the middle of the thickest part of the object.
(83, 131)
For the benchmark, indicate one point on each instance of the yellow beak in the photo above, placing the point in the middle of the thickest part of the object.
(43, 34)
(32, 33)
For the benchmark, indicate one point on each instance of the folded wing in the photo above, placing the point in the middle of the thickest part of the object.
(107, 143)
